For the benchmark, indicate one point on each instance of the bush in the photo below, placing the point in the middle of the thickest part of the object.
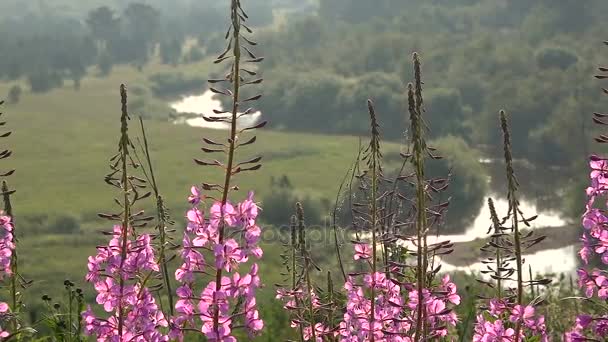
(64, 224)
(445, 113)
(559, 58)
(170, 84)
(468, 184)
(280, 205)
(104, 64)
(14, 94)
(44, 80)
(195, 54)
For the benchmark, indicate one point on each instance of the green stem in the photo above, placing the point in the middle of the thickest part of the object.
(305, 255)
(374, 166)
(330, 292)
(294, 278)
(496, 224)
(162, 224)
(514, 211)
(236, 79)
(70, 303)
(124, 145)
(8, 209)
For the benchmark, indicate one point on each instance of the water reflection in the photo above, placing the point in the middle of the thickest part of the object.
(479, 228)
(205, 104)
(560, 260)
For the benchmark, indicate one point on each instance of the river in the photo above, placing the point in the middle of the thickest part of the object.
(205, 104)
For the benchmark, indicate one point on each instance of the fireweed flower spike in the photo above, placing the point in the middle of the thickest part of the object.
(6, 255)
(428, 301)
(505, 317)
(10, 324)
(235, 299)
(121, 270)
(384, 301)
(594, 283)
(222, 237)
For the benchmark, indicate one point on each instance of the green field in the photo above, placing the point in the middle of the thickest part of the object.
(62, 139)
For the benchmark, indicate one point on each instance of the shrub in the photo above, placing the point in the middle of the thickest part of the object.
(64, 224)
(174, 83)
(559, 58)
(14, 94)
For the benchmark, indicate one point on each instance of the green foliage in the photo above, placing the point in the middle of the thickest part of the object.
(171, 84)
(445, 112)
(64, 224)
(194, 55)
(41, 81)
(468, 180)
(171, 51)
(14, 94)
(481, 52)
(104, 64)
(280, 201)
(559, 58)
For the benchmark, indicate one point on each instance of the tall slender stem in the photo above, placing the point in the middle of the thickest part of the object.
(294, 275)
(415, 102)
(374, 165)
(514, 211)
(236, 79)
(124, 151)
(330, 292)
(496, 225)
(70, 303)
(162, 222)
(305, 254)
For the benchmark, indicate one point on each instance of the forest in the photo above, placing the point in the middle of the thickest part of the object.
(313, 170)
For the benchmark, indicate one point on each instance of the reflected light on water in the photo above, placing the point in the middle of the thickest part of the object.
(205, 104)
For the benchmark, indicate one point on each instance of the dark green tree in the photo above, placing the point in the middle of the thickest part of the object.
(141, 29)
(170, 51)
(103, 25)
(14, 94)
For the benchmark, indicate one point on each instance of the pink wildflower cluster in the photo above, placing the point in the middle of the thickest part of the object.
(388, 305)
(586, 326)
(498, 324)
(297, 299)
(6, 252)
(116, 275)
(6, 245)
(215, 304)
(595, 240)
(394, 307)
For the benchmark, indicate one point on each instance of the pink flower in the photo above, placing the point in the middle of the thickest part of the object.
(6, 245)
(195, 196)
(228, 255)
(452, 294)
(115, 280)
(362, 251)
(235, 295)
(523, 314)
(230, 217)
